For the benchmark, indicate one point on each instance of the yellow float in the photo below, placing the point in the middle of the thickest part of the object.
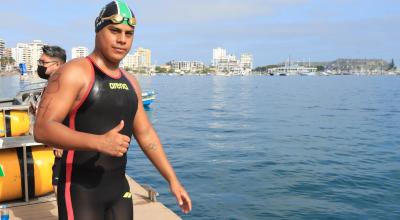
(14, 123)
(40, 161)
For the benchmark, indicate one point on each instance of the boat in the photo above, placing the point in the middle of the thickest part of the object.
(148, 97)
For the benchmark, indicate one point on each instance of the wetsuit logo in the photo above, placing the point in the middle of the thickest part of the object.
(127, 195)
(120, 86)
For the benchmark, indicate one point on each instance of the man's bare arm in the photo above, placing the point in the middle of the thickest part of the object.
(149, 142)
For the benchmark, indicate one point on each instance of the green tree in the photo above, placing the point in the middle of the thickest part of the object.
(7, 61)
(320, 68)
(11, 61)
(160, 70)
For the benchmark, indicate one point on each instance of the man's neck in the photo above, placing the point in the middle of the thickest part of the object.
(103, 62)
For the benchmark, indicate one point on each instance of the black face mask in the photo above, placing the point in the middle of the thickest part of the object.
(41, 70)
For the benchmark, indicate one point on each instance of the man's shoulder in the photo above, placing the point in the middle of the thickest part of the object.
(75, 72)
(77, 64)
(77, 67)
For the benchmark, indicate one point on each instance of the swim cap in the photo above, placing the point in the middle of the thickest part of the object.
(116, 7)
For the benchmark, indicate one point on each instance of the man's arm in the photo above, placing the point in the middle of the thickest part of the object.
(149, 142)
(65, 91)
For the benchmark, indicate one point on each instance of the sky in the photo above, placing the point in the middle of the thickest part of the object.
(271, 30)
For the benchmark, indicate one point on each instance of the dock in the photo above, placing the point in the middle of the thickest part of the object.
(145, 203)
(45, 208)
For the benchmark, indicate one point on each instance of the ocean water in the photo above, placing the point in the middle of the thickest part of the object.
(263, 147)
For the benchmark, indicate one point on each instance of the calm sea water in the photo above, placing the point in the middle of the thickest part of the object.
(275, 147)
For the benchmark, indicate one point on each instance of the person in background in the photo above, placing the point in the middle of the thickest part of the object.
(91, 108)
(52, 58)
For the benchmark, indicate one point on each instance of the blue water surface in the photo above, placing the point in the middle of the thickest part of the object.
(261, 147)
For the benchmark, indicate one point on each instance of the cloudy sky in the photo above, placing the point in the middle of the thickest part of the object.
(271, 30)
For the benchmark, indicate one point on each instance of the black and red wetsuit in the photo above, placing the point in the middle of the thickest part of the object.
(92, 185)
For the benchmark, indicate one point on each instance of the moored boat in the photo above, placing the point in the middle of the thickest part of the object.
(148, 97)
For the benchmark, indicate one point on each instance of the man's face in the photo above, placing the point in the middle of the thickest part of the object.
(50, 63)
(115, 41)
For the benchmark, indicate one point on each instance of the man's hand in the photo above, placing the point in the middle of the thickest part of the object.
(58, 152)
(113, 143)
(182, 197)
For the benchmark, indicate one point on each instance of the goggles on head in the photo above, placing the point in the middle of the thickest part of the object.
(118, 19)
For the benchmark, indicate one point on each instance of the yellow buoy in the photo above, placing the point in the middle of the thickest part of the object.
(14, 123)
(39, 167)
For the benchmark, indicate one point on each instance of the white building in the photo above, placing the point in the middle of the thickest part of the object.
(130, 61)
(77, 52)
(28, 53)
(187, 66)
(246, 62)
(20, 53)
(218, 54)
(229, 64)
(144, 57)
(140, 60)
(34, 53)
(2, 47)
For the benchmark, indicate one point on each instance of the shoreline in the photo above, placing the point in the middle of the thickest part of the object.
(12, 73)
(17, 73)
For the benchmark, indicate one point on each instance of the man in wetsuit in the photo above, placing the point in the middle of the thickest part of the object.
(91, 108)
(49, 62)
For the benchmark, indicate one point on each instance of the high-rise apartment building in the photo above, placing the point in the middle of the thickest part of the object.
(77, 52)
(229, 64)
(187, 66)
(141, 59)
(20, 53)
(218, 54)
(28, 53)
(34, 53)
(246, 61)
(2, 47)
(144, 57)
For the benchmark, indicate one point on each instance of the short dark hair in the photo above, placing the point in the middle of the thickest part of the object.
(55, 52)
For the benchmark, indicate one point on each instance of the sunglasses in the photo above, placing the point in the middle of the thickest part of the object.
(118, 19)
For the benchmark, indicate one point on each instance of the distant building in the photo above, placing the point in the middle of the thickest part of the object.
(9, 64)
(246, 62)
(130, 61)
(139, 61)
(28, 53)
(218, 54)
(186, 66)
(20, 53)
(143, 57)
(78, 52)
(32, 54)
(229, 64)
(7, 52)
(2, 47)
